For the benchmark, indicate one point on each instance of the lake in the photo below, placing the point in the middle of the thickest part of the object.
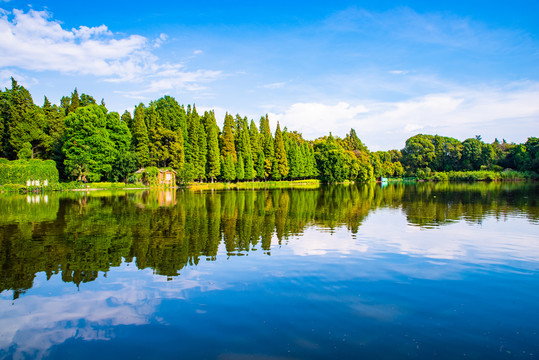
(419, 271)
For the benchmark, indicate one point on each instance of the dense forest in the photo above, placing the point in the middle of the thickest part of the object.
(89, 143)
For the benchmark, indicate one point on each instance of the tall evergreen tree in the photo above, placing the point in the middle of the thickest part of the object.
(202, 148)
(75, 101)
(228, 172)
(254, 136)
(240, 167)
(127, 119)
(155, 130)
(280, 154)
(213, 165)
(227, 138)
(267, 145)
(140, 137)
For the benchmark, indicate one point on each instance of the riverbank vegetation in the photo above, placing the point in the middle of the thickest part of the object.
(87, 144)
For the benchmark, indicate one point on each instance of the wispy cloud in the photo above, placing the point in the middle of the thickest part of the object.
(275, 85)
(398, 72)
(35, 41)
(431, 28)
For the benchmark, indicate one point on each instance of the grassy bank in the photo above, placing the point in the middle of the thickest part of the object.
(69, 186)
(482, 175)
(304, 184)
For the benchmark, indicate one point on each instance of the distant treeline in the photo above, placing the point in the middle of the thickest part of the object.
(89, 143)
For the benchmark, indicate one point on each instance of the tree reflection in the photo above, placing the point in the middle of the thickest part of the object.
(80, 235)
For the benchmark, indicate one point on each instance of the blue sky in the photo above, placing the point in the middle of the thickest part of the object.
(388, 69)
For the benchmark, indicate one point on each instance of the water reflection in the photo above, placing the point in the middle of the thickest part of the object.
(80, 235)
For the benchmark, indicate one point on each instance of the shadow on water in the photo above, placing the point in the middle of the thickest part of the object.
(78, 235)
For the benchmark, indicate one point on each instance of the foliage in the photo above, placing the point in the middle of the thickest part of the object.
(20, 171)
(88, 143)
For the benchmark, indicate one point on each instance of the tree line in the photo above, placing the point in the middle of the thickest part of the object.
(89, 143)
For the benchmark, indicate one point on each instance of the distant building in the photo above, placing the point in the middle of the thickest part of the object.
(155, 176)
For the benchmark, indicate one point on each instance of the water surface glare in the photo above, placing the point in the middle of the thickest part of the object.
(422, 271)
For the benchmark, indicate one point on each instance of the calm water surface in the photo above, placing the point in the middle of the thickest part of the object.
(448, 271)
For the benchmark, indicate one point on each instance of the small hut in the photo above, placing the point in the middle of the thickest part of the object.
(166, 177)
(155, 176)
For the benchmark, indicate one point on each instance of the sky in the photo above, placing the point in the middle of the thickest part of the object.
(388, 69)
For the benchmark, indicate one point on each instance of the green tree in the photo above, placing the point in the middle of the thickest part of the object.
(127, 119)
(213, 164)
(267, 144)
(280, 154)
(228, 171)
(75, 102)
(25, 152)
(88, 148)
(472, 154)
(419, 152)
(227, 138)
(240, 167)
(140, 137)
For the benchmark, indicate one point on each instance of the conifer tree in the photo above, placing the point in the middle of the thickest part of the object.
(228, 171)
(75, 101)
(243, 145)
(155, 128)
(267, 145)
(25, 123)
(177, 151)
(280, 154)
(213, 165)
(254, 137)
(86, 100)
(127, 119)
(260, 165)
(202, 144)
(240, 167)
(293, 157)
(227, 138)
(140, 137)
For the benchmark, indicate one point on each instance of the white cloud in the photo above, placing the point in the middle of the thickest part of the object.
(160, 40)
(37, 322)
(276, 85)
(398, 72)
(6, 74)
(35, 41)
(510, 111)
(317, 119)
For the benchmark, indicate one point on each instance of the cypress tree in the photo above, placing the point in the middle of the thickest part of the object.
(254, 137)
(249, 167)
(177, 151)
(267, 145)
(75, 101)
(202, 146)
(280, 154)
(293, 157)
(240, 167)
(213, 166)
(126, 118)
(227, 139)
(140, 137)
(260, 165)
(155, 128)
(229, 171)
